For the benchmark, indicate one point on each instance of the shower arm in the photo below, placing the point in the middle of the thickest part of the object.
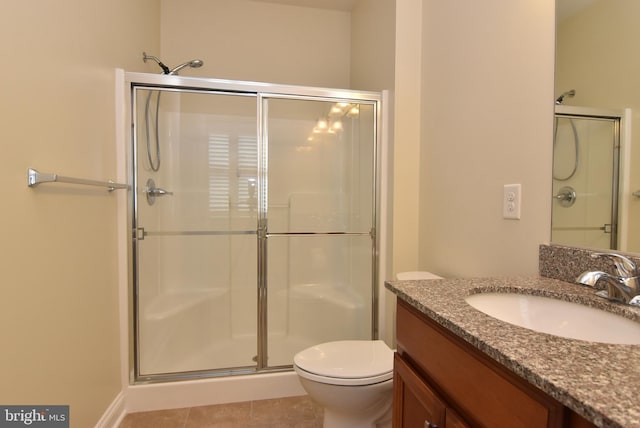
(165, 69)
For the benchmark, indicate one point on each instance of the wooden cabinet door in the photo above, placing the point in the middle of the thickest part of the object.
(453, 419)
(415, 404)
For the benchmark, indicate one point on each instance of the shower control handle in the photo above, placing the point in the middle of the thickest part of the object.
(567, 196)
(152, 191)
(159, 192)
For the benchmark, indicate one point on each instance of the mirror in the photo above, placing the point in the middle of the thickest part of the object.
(597, 104)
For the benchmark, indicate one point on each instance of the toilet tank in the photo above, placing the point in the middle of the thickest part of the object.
(416, 275)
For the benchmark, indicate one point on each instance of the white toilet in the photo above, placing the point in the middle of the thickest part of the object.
(351, 379)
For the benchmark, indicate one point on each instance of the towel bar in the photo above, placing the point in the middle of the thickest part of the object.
(34, 178)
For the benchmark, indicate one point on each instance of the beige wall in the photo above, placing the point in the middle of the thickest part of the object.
(407, 134)
(247, 40)
(373, 46)
(596, 57)
(487, 109)
(59, 308)
(373, 39)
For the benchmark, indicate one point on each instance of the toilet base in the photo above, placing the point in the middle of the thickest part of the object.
(380, 419)
(367, 406)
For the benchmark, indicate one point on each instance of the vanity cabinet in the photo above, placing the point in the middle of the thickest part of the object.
(416, 404)
(442, 381)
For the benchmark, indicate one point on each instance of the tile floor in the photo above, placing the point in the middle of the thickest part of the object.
(290, 412)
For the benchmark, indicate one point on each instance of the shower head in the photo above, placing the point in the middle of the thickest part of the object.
(194, 63)
(571, 93)
(165, 69)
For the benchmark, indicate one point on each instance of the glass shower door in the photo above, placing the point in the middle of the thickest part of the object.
(252, 224)
(318, 223)
(196, 242)
(585, 180)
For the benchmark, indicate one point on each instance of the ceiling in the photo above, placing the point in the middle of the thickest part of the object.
(344, 5)
(565, 8)
(568, 8)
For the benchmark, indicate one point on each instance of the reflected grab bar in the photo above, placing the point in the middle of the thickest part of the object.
(34, 178)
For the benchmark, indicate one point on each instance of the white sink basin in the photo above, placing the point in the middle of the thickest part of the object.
(557, 317)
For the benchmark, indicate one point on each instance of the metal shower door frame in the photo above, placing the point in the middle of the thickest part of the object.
(617, 118)
(263, 92)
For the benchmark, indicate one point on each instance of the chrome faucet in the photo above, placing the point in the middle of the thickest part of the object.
(623, 287)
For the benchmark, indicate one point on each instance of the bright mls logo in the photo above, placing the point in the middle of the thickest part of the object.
(34, 416)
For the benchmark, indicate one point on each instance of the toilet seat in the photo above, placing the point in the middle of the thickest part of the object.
(347, 362)
(343, 381)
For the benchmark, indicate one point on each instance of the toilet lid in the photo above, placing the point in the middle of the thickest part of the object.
(347, 359)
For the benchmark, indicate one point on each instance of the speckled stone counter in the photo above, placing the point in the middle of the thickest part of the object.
(599, 381)
(566, 263)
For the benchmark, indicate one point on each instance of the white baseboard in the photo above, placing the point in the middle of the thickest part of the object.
(114, 413)
(203, 392)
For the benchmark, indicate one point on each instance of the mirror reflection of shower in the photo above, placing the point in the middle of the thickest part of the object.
(586, 167)
(570, 93)
(153, 156)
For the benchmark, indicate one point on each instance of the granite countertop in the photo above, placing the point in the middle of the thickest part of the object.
(599, 381)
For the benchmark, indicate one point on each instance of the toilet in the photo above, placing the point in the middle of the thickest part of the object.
(352, 379)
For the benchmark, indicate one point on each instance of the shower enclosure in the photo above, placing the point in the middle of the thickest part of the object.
(256, 236)
(586, 171)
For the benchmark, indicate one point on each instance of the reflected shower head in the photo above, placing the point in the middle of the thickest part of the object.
(570, 93)
(194, 63)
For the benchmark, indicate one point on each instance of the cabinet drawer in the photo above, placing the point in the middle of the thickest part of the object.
(482, 391)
